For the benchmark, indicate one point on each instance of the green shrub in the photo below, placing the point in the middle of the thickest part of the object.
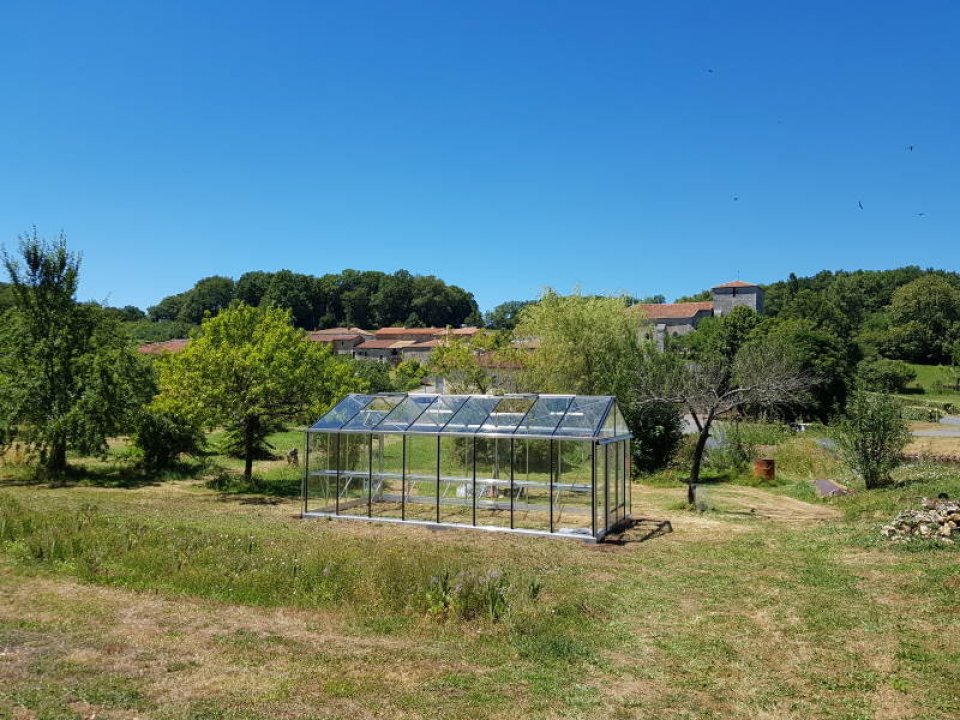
(872, 436)
(882, 375)
(163, 436)
(467, 595)
(657, 434)
(922, 413)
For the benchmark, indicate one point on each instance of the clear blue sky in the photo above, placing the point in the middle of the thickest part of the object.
(503, 146)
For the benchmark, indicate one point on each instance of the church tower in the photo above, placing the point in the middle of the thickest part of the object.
(734, 294)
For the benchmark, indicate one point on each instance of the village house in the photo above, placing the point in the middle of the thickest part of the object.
(342, 341)
(392, 344)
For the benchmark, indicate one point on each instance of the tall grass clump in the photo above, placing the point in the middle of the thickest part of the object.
(236, 566)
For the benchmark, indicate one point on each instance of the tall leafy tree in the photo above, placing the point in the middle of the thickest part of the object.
(68, 375)
(248, 369)
(590, 345)
(292, 291)
(822, 355)
(506, 315)
(210, 295)
(925, 319)
(458, 362)
(251, 287)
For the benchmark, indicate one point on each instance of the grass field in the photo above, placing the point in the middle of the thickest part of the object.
(933, 384)
(123, 599)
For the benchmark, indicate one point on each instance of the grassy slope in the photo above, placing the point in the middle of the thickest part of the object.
(928, 385)
(174, 601)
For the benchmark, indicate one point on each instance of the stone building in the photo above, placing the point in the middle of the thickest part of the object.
(669, 319)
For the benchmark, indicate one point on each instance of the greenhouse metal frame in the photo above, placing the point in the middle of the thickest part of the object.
(555, 465)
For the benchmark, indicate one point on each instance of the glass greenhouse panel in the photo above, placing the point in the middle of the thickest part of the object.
(584, 416)
(573, 488)
(370, 415)
(420, 500)
(507, 414)
(621, 424)
(494, 489)
(353, 480)
(342, 412)
(472, 414)
(456, 480)
(533, 467)
(388, 484)
(612, 482)
(438, 413)
(405, 413)
(545, 415)
(321, 485)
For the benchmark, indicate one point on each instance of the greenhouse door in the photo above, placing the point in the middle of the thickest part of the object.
(611, 484)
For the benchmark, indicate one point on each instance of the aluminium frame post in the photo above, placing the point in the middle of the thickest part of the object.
(513, 492)
(370, 475)
(438, 478)
(552, 469)
(403, 477)
(306, 471)
(475, 480)
(336, 489)
(593, 488)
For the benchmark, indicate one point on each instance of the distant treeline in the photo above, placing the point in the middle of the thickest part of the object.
(366, 299)
(907, 314)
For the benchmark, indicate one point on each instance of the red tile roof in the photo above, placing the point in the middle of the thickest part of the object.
(375, 345)
(395, 331)
(673, 311)
(156, 348)
(425, 344)
(425, 332)
(735, 284)
(332, 337)
(341, 331)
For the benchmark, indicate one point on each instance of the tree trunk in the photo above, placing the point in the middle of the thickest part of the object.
(697, 462)
(57, 459)
(249, 445)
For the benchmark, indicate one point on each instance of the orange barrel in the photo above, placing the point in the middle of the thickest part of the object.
(764, 468)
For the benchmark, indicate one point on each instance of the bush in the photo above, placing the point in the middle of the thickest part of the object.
(882, 375)
(922, 413)
(163, 436)
(872, 436)
(657, 432)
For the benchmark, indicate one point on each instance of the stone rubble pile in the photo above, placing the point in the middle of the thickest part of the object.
(936, 520)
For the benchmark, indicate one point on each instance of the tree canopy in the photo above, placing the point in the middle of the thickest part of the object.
(721, 368)
(589, 345)
(248, 369)
(353, 298)
(68, 375)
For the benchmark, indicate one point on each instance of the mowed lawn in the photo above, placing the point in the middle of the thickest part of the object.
(173, 600)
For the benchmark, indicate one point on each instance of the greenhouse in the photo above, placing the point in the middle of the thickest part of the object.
(542, 464)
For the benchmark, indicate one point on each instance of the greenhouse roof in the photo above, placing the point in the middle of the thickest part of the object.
(593, 417)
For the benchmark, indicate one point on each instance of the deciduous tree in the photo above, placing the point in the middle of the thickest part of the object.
(69, 377)
(590, 345)
(721, 376)
(247, 369)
